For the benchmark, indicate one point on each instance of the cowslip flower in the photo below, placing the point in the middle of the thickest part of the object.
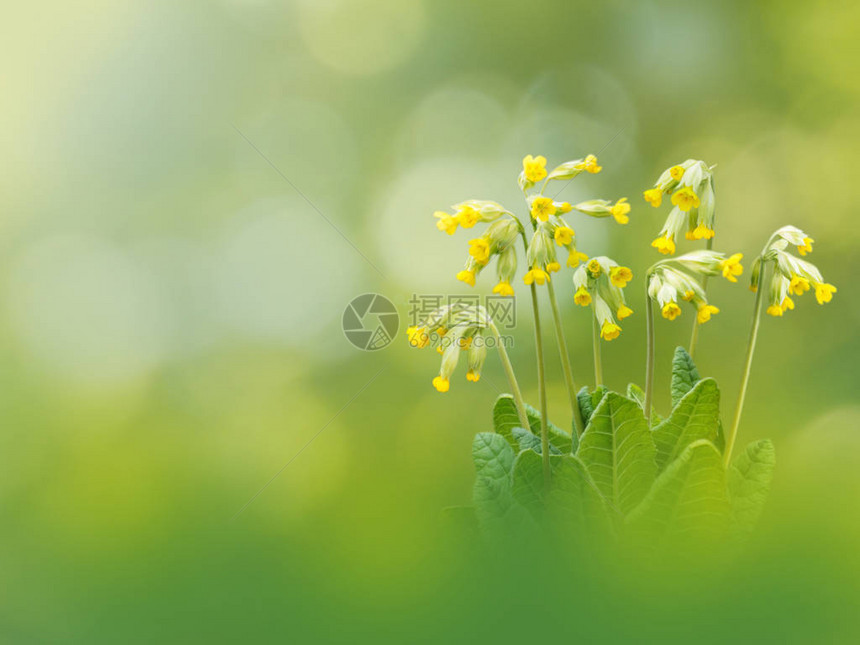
(479, 249)
(590, 165)
(447, 223)
(534, 168)
(691, 186)
(605, 208)
(620, 210)
(536, 275)
(600, 283)
(542, 208)
(731, 267)
(620, 276)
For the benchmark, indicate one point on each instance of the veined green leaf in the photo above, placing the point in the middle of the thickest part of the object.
(505, 419)
(684, 374)
(574, 501)
(696, 416)
(529, 441)
(618, 452)
(588, 401)
(528, 486)
(636, 393)
(749, 480)
(494, 462)
(687, 501)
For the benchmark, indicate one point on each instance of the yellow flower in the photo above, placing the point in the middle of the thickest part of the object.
(534, 168)
(689, 235)
(447, 223)
(467, 276)
(582, 297)
(575, 257)
(774, 310)
(441, 384)
(467, 217)
(824, 292)
(542, 208)
(465, 343)
(418, 337)
(563, 235)
(594, 268)
(479, 248)
(504, 288)
(664, 244)
(787, 303)
(440, 349)
(807, 246)
(473, 376)
(536, 275)
(590, 164)
(685, 199)
(677, 172)
(565, 207)
(705, 312)
(609, 330)
(688, 295)
(798, 285)
(702, 232)
(653, 196)
(619, 211)
(624, 311)
(731, 267)
(553, 267)
(620, 276)
(671, 310)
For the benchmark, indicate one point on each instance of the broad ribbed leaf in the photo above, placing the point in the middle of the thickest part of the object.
(697, 416)
(588, 401)
(575, 501)
(687, 501)
(749, 481)
(618, 452)
(684, 374)
(505, 419)
(636, 393)
(528, 486)
(529, 441)
(494, 462)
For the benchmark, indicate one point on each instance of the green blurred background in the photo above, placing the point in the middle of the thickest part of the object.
(170, 325)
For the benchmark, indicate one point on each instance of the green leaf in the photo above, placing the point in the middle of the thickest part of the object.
(618, 451)
(505, 419)
(687, 501)
(684, 374)
(636, 393)
(697, 416)
(528, 487)
(575, 501)
(494, 461)
(529, 441)
(749, 480)
(588, 401)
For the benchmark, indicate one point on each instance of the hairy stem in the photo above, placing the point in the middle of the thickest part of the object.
(598, 359)
(565, 362)
(649, 343)
(733, 432)
(512, 379)
(694, 337)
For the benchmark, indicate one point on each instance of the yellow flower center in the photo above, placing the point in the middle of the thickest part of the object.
(542, 208)
(685, 199)
(671, 310)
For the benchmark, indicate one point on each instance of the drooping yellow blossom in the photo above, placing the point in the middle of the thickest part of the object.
(664, 244)
(620, 276)
(774, 310)
(553, 267)
(465, 343)
(536, 275)
(688, 295)
(418, 337)
(575, 257)
(563, 235)
(705, 312)
(677, 172)
(689, 235)
(671, 310)
(590, 165)
(542, 208)
(702, 232)
(504, 288)
(479, 248)
(609, 330)
(565, 207)
(653, 196)
(777, 310)
(467, 217)
(447, 223)
(807, 246)
(473, 376)
(824, 292)
(787, 303)
(534, 168)
(685, 199)
(441, 384)
(732, 267)
(798, 285)
(582, 297)
(594, 268)
(624, 311)
(467, 276)
(619, 211)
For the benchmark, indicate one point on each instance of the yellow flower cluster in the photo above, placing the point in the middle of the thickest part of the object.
(599, 283)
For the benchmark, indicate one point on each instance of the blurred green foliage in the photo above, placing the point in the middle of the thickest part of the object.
(170, 323)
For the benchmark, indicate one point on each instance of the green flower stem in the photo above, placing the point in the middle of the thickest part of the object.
(694, 338)
(512, 379)
(565, 361)
(649, 365)
(598, 360)
(733, 433)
